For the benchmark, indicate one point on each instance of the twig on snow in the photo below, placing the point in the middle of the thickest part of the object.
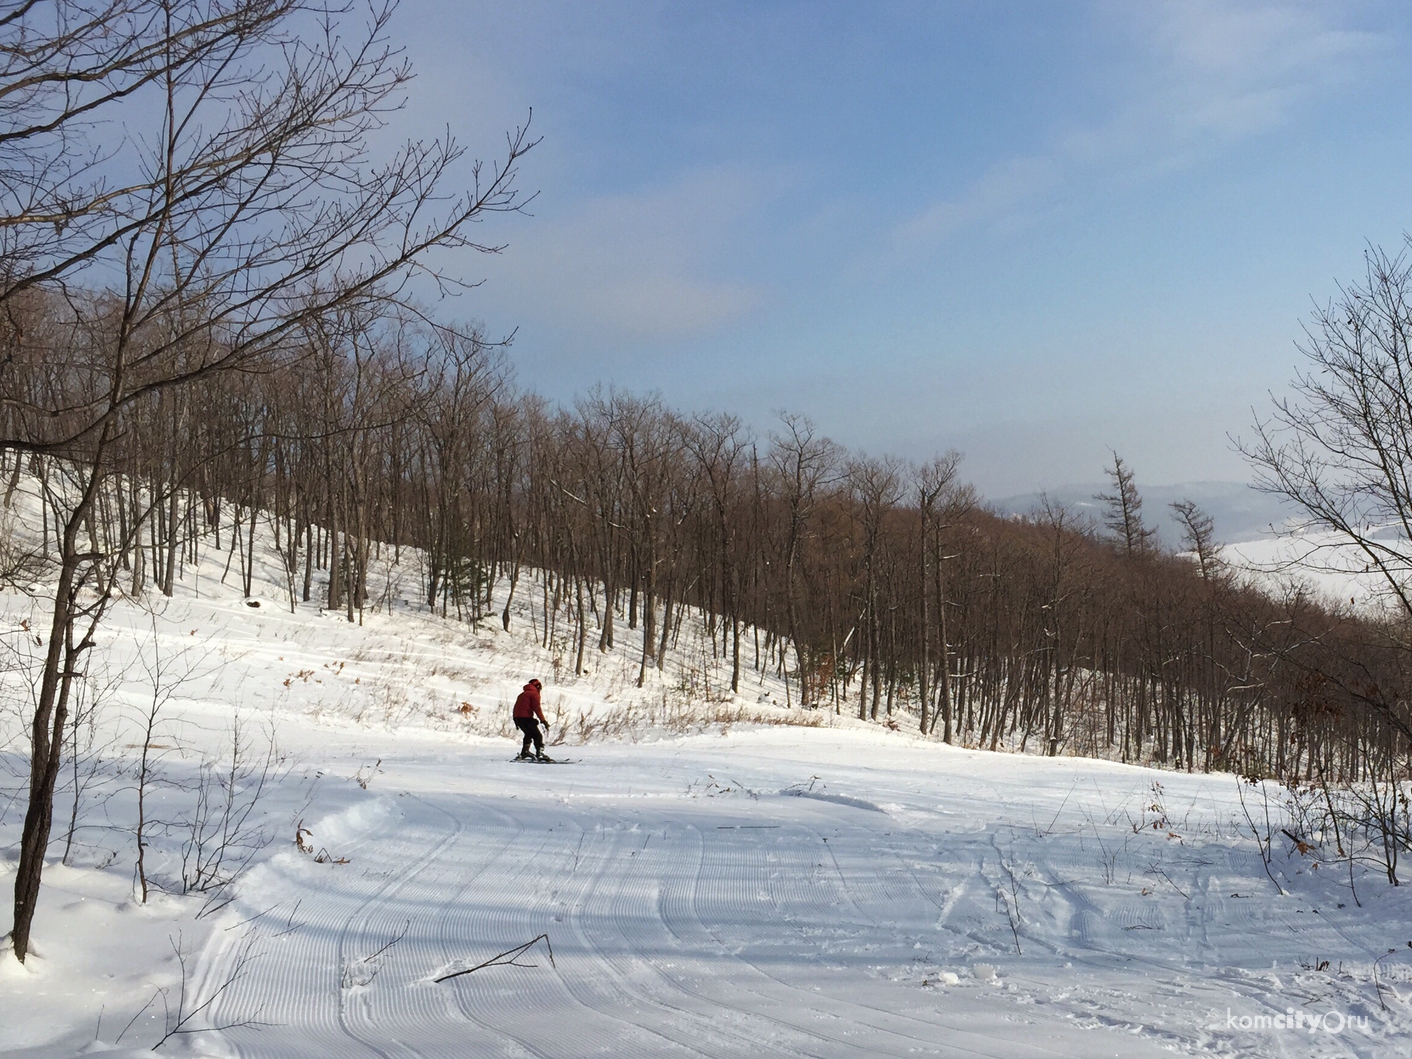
(507, 958)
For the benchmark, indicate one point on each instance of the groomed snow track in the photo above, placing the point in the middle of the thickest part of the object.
(741, 925)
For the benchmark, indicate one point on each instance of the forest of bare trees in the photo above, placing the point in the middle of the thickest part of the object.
(220, 340)
(874, 587)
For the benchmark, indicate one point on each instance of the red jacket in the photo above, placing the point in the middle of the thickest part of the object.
(527, 705)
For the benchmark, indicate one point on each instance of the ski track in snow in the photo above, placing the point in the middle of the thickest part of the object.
(741, 926)
(698, 921)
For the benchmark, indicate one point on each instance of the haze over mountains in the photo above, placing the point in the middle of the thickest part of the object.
(1240, 511)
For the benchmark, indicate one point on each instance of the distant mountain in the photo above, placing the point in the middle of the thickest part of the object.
(1240, 512)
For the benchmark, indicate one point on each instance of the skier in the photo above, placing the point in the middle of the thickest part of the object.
(528, 717)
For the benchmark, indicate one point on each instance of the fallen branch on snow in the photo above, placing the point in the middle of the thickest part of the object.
(507, 958)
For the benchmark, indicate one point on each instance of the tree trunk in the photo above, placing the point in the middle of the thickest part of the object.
(50, 715)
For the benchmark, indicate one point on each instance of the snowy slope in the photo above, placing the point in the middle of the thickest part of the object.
(711, 884)
(782, 891)
(1322, 562)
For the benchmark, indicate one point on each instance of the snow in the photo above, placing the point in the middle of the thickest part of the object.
(1323, 562)
(713, 882)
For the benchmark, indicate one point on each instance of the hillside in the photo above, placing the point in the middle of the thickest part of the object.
(712, 882)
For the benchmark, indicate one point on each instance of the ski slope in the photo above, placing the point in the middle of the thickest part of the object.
(718, 876)
(788, 892)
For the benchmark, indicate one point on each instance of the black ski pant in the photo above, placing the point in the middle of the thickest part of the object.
(530, 726)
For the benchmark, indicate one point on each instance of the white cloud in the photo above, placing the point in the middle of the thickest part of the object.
(1237, 68)
(1202, 70)
(643, 266)
(1009, 185)
(665, 306)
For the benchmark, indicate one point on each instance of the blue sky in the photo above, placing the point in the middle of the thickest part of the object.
(1031, 232)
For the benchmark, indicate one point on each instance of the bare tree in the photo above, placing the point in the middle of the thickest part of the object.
(719, 445)
(1198, 537)
(1123, 518)
(1340, 448)
(254, 211)
(876, 486)
(804, 463)
(930, 482)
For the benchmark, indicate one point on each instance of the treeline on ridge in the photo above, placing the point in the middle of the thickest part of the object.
(872, 586)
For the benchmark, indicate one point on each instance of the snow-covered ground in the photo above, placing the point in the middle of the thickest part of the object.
(1321, 561)
(712, 882)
